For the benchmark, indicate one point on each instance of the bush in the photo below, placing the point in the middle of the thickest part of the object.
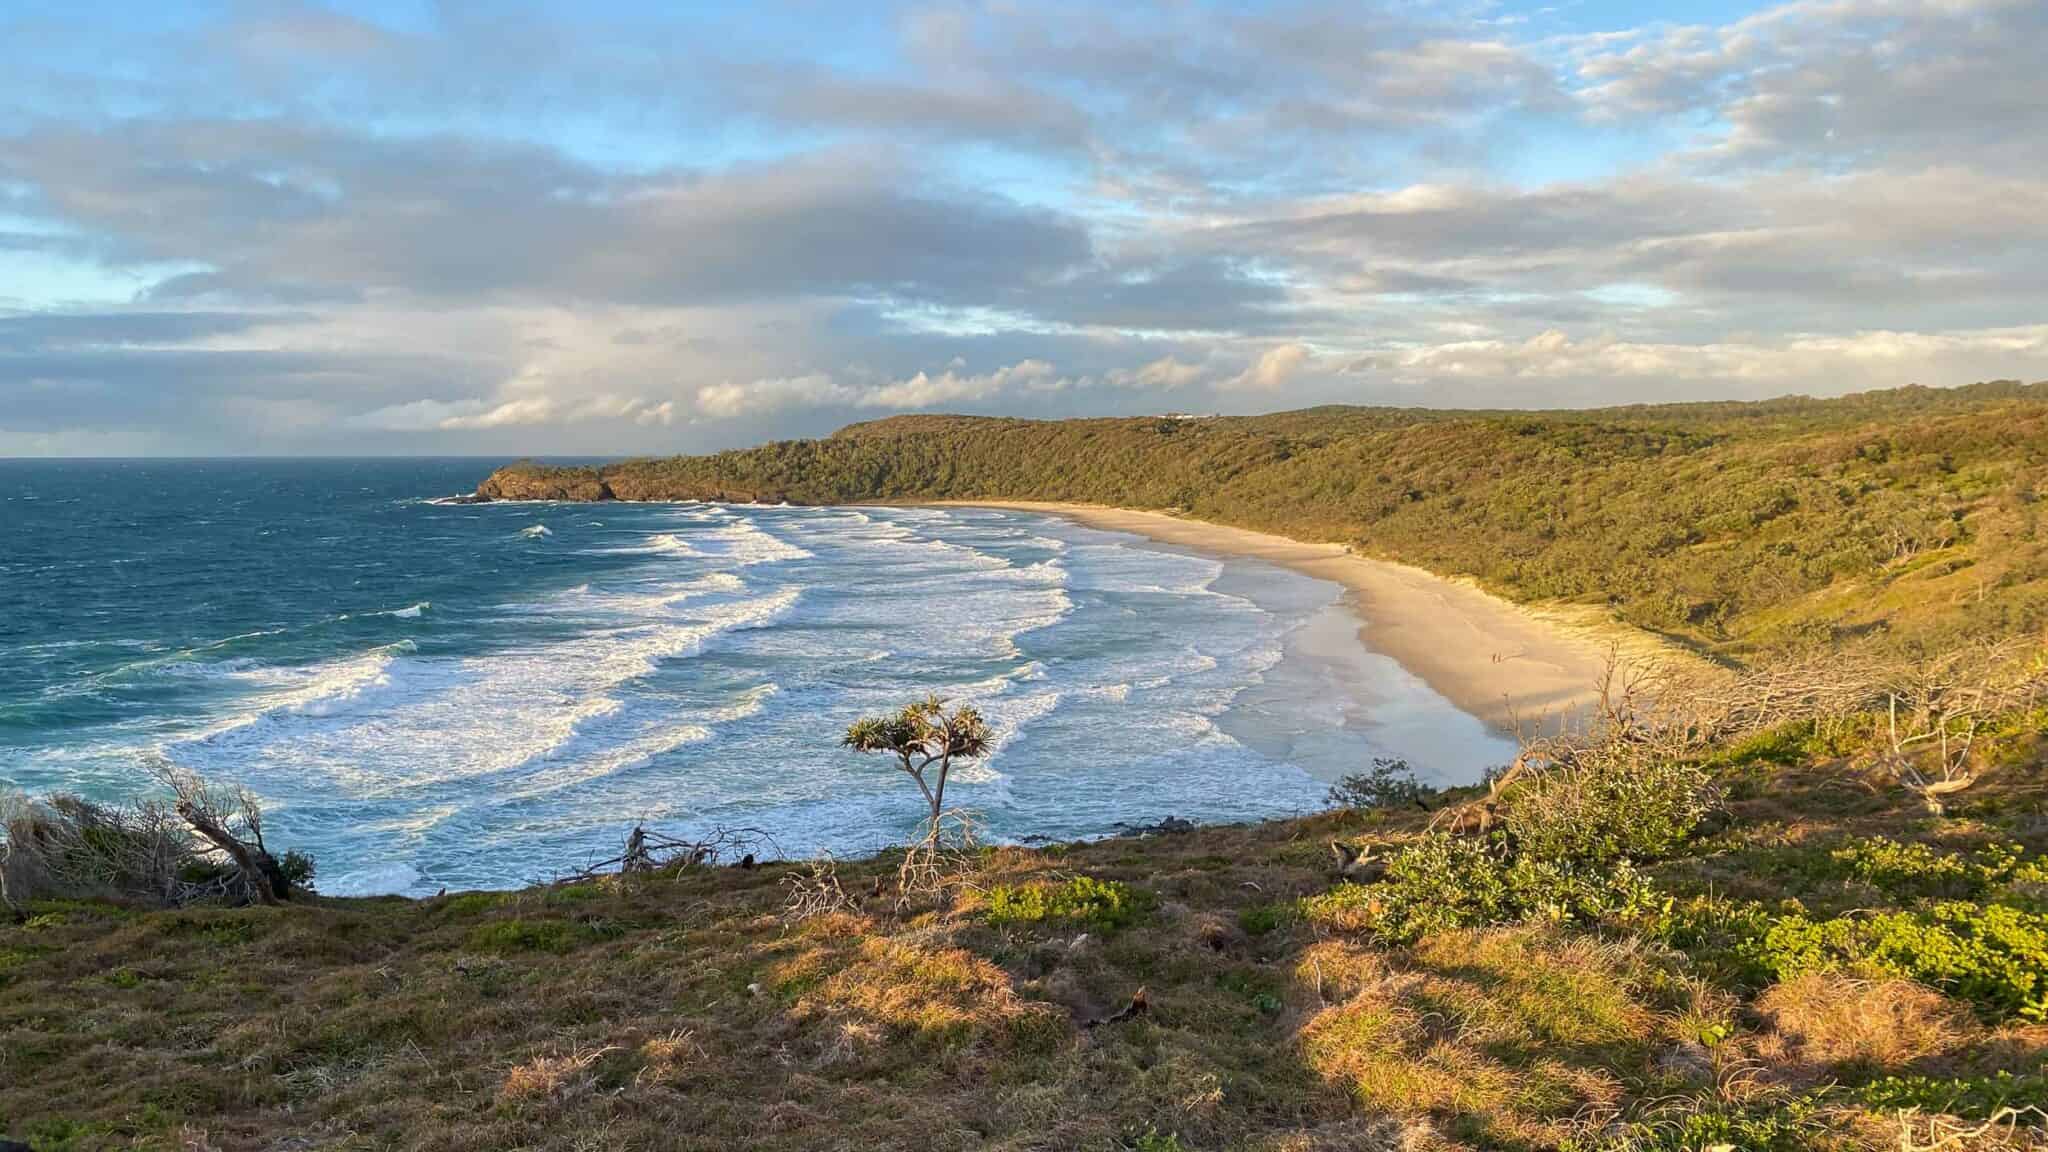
(1992, 955)
(1917, 870)
(201, 845)
(1387, 784)
(1444, 882)
(1102, 904)
(1612, 807)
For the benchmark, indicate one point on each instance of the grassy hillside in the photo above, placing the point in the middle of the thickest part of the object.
(1802, 973)
(1904, 519)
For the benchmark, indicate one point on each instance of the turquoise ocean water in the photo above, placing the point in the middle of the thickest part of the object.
(429, 694)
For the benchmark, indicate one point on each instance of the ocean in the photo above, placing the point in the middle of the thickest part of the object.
(479, 696)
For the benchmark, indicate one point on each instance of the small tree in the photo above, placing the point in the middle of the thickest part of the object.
(926, 738)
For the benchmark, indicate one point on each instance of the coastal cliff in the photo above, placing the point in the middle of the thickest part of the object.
(525, 481)
(535, 482)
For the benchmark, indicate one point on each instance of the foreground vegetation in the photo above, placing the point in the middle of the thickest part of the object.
(1653, 941)
(1904, 520)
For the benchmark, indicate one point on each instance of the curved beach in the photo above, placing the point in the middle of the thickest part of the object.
(1508, 665)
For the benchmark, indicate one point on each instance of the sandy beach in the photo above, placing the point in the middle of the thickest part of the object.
(1495, 660)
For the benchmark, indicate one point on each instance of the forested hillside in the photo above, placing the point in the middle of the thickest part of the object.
(1905, 519)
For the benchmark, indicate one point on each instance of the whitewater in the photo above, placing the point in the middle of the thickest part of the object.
(430, 695)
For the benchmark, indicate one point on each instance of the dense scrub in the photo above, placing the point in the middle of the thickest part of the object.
(1906, 518)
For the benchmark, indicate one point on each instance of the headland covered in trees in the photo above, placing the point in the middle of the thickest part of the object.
(1905, 520)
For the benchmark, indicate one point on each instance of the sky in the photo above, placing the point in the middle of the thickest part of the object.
(409, 227)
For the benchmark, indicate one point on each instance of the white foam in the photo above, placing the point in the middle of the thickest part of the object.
(745, 543)
(386, 879)
(388, 726)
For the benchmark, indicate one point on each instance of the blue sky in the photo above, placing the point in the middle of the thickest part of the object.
(486, 227)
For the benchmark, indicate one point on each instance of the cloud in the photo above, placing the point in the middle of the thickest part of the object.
(278, 206)
(1273, 369)
(922, 390)
(296, 227)
(1162, 375)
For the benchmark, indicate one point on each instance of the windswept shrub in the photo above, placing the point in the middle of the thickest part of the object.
(1608, 808)
(1445, 882)
(66, 847)
(201, 845)
(1387, 784)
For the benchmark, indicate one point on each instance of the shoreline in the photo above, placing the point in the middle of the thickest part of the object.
(1507, 665)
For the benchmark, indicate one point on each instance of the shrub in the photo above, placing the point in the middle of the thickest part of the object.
(1992, 955)
(1917, 870)
(1387, 784)
(1102, 904)
(1609, 808)
(1443, 882)
(201, 845)
(1262, 919)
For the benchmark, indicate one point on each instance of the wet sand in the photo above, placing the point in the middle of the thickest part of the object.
(1505, 664)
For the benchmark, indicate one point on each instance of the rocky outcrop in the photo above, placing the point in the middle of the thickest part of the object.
(532, 482)
(539, 482)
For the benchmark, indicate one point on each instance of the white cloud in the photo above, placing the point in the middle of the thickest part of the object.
(1272, 370)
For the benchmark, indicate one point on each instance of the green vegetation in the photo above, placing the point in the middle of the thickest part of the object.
(1994, 956)
(1904, 519)
(1797, 973)
(1388, 783)
(1104, 905)
(925, 738)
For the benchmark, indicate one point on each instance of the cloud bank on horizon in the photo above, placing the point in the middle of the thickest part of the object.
(407, 226)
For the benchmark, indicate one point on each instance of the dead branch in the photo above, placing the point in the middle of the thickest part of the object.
(647, 851)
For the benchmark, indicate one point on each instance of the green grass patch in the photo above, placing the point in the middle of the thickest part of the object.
(557, 936)
(1972, 1098)
(1105, 905)
(1265, 919)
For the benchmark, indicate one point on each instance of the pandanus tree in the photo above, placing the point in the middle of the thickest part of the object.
(926, 739)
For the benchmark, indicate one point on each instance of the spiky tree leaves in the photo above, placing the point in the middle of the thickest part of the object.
(926, 738)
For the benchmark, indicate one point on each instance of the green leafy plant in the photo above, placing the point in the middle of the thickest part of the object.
(1617, 806)
(1443, 882)
(1388, 783)
(1993, 955)
(1105, 905)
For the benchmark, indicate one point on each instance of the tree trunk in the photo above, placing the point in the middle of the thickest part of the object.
(259, 869)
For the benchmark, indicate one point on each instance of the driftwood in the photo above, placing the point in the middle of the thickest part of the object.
(1358, 864)
(647, 851)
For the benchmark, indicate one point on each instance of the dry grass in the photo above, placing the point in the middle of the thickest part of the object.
(1829, 1024)
(688, 1011)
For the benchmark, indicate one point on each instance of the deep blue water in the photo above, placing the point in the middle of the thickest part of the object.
(428, 694)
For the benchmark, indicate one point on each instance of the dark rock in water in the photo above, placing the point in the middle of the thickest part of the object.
(1170, 824)
(1034, 838)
